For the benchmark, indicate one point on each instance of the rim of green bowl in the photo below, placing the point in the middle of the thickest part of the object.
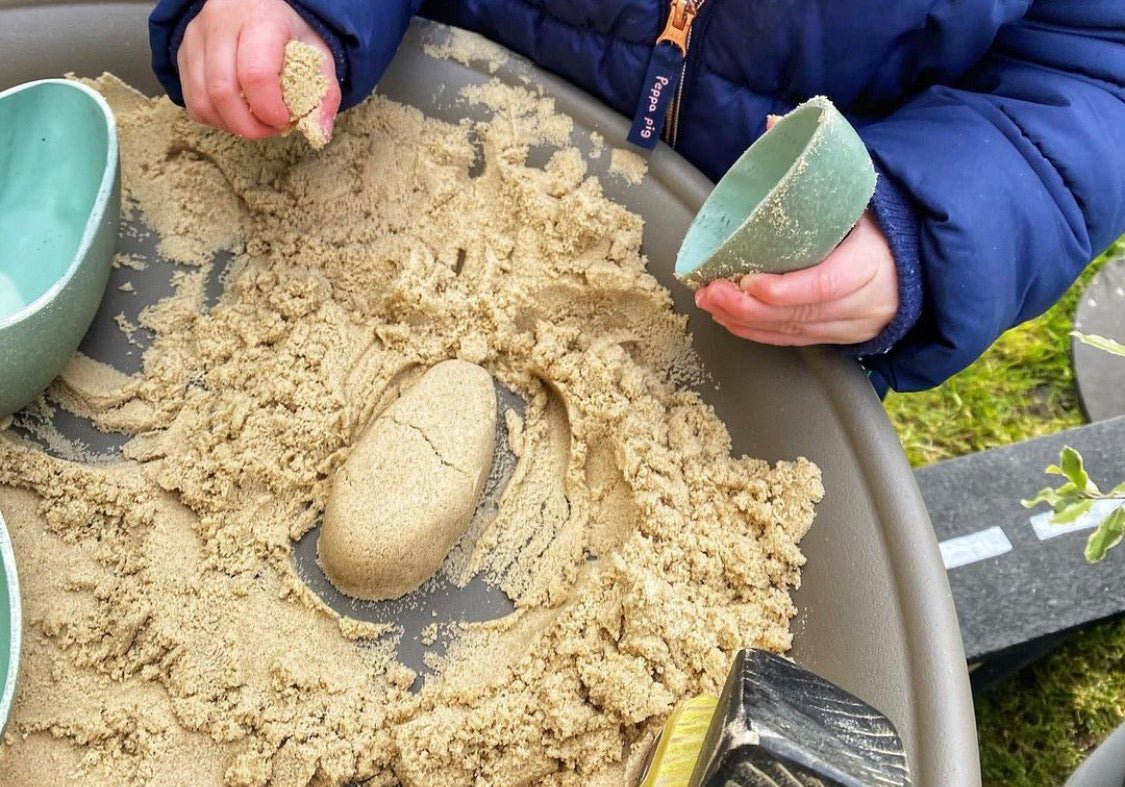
(105, 190)
(14, 617)
(825, 111)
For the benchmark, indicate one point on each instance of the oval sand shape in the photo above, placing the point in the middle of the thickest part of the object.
(409, 488)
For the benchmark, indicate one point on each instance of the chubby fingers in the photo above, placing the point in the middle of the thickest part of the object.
(193, 78)
(850, 267)
(725, 299)
(261, 53)
(837, 322)
(848, 298)
(800, 334)
(224, 89)
(330, 106)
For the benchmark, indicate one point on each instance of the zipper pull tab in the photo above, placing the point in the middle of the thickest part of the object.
(663, 75)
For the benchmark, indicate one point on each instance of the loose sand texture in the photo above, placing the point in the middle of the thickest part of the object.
(627, 165)
(169, 638)
(468, 48)
(304, 86)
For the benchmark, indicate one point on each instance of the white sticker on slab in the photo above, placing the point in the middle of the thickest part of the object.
(971, 548)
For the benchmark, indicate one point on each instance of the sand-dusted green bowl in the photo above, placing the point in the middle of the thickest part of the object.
(11, 623)
(60, 202)
(786, 203)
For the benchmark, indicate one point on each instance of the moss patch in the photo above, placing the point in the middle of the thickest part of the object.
(1037, 727)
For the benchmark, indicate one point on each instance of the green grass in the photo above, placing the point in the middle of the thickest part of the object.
(1037, 727)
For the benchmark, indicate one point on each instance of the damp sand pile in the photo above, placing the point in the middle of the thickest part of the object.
(169, 638)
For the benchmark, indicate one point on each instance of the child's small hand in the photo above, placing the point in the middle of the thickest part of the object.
(848, 298)
(230, 65)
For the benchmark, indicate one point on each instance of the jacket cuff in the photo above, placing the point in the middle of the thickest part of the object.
(898, 219)
(175, 88)
(331, 39)
(167, 24)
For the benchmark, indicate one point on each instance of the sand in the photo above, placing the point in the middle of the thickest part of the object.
(467, 48)
(410, 485)
(169, 636)
(303, 86)
(628, 165)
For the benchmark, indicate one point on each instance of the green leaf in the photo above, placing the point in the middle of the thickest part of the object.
(1046, 495)
(1071, 462)
(1069, 514)
(1067, 495)
(1107, 535)
(1069, 489)
(1101, 342)
(1064, 496)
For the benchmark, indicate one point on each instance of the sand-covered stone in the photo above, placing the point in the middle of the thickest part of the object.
(408, 489)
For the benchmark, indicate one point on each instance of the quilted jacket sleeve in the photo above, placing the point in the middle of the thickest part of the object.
(1016, 176)
(363, 35)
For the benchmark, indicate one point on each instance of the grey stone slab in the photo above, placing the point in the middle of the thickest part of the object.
(1100, 375)
(1017, 588)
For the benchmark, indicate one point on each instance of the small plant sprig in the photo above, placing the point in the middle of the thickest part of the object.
(1078, 494)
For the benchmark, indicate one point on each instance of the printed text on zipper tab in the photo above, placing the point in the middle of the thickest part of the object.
(665, 68)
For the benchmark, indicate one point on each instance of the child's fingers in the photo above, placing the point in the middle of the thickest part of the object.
(866, 304)
(848, 298)
(801, 334)
(261, 52)
(851, 266)
(766, 337)
(738, 305)
(224, 90)
(855, 318)
(330, 106)
(837, 277)
(193, 64)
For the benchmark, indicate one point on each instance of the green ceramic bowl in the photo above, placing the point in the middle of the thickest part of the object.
(10, 626)
(786, 203)
(60, 202)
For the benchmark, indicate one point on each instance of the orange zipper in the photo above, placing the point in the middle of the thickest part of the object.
(678, 28)
(681, 16)
(661, 89)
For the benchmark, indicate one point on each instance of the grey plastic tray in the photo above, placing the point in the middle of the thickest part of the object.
(876, 614)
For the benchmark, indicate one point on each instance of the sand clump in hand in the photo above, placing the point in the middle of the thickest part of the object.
(169, 637)
(304, 86)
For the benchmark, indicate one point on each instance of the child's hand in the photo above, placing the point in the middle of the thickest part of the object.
(848, 298)
(230, 65)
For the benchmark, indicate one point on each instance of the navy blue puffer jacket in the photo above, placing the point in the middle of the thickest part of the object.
(998, 126)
